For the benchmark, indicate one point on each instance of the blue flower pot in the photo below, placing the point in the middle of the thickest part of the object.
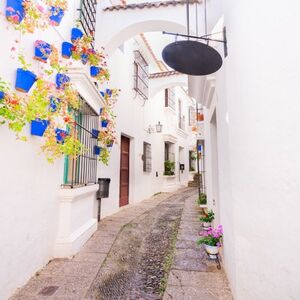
(104, 123)
(95, 133)
(60, 135)
(76, 34)
(24, 80)
(101, 110)
(61, 80)
(42, 51)
(66, 49)
(109, 92)
(109, 145)
(97, 150)
(56, 15)
(94, 71)
(53, 103)
(84, 58)
(2, 95)
(38, 127)
(102, 94)
(14, 12)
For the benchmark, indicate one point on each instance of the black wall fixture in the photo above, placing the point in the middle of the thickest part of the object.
(193, 57)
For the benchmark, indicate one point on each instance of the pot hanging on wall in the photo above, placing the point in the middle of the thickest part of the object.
(56, 15)
(84, 58)
(14, 12)
(94, 71)
(38, 127)
(97, 150)
(61, 80)
(24, 80)
(66, 49)
(104, 123)
(60, 135)
(54, 102)
(76, 34)
(95, 133)
(2, 95)
(42, 51)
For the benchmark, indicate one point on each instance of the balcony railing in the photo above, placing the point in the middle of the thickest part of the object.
(88, 16)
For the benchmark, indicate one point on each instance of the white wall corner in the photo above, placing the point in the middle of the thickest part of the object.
(77, 221)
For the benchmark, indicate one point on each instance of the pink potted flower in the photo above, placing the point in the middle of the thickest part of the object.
(212, 240)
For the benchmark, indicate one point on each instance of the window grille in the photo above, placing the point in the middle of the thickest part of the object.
(147, 159)
(170, 98)
(82, 170)
(88, 16)
(141, 75)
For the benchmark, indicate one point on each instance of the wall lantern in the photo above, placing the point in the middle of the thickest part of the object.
(157, 129)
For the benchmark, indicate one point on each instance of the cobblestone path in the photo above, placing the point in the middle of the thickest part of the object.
(130, 256)
(135, 266)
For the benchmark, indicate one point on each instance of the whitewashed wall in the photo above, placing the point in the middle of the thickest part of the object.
(258, 129)
(29, 186)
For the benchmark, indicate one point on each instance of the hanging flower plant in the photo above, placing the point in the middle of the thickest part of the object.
(35, 17)
(57, 10)
(15, 11)
(42, 51)
(12, 109)
(24, 77)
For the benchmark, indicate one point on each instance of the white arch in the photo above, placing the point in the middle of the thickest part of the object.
(123, 24)
(158, 84)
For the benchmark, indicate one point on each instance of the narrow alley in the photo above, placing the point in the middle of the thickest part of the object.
(145, 251)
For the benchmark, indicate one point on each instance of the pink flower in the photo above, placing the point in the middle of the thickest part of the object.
(10, 9)
(40, 8)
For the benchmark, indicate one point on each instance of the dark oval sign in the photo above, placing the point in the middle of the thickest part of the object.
(192, 58)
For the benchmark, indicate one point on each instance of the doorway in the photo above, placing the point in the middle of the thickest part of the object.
(124, 171)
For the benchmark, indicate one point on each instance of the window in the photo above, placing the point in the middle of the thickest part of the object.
(147, 163)
(192, 116)
(88, 16)
(170, 98)
(83, 170)
(141, 75)
(181, 118)
(192, 160)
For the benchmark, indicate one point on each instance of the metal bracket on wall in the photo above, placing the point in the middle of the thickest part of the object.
(206, 38)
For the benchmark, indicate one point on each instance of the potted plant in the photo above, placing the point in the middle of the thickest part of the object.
(24, 78)
(15, 11)
(169, 168)
(202, 200)
(62, 80)
(57, 10)
(42, 51)
(94, 71)
(95, 133)
(60, 135)
(38, 127)
(97, 150)
(76, 34)
(104, 123)
(66, 49)
(206, 219)
(212, 240)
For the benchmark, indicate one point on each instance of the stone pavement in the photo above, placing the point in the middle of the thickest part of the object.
(193, 276)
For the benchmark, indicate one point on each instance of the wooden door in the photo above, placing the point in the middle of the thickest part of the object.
(124, 171)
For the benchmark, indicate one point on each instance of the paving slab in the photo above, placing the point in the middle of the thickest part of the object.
(70, 278)
(193, 275)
